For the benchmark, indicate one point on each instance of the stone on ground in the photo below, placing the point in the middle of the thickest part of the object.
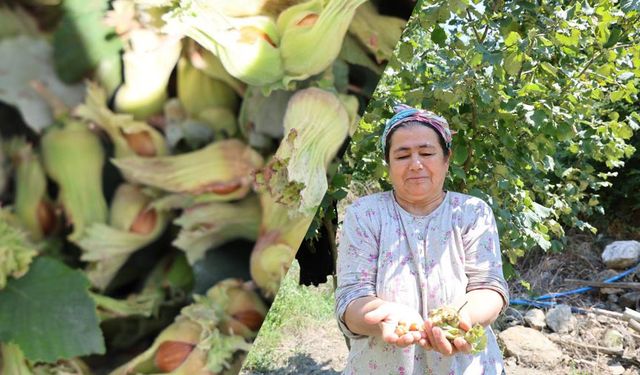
(560, 319)
(630, 300)
(535, 319)
(613, 339)
(621, 254)
(616, 369)
(529, 346)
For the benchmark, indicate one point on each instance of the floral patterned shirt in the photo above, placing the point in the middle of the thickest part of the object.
(423, 262)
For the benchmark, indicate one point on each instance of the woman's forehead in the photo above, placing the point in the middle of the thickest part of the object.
(414, 136)
(404, 147)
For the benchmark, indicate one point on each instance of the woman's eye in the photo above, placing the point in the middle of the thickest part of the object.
(402, 157)
(427, 154)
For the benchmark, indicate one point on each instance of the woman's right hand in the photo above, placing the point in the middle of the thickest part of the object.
(437, 341)
(387, 316)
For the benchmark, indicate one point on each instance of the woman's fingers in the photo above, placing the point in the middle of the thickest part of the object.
(462, 345)
(405, 340)
(464, 325)
(388, 316)
(440, 342)
(415, 336)
(424, 340)
(389, 332)
(465, 320)
(378, 314)
(425, 344)
(410, 338)
(391, 337)
(428, 331)
(434, 338)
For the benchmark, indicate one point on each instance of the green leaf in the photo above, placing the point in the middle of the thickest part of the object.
(572, 40)
(405, 52)
(339, 194)
(82, 40)
(513, 63)
(457, 172)
(618, 95)
(460, 154)
(49, 313)
(539, 117)
(550, 69)
(623, 130)
(564, 131)
(439, 36)
(614, 37)
(541, 210)
(531, 87)
(490, 57)
(512, 39)
(603, 33)
(508, 269)
(485, 95)
(630, 5)
(476, 60)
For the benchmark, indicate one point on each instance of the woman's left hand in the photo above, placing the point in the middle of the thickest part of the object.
(435, 339)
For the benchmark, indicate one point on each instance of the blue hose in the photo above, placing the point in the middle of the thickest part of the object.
(540, 301)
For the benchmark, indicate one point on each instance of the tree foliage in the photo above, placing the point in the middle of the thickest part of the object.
(531, 89)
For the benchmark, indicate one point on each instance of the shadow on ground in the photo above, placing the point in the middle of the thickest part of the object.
(301, 363)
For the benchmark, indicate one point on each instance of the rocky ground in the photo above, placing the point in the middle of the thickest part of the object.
(534, 341)
(597, 336)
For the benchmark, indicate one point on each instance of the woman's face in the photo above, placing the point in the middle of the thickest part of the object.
(417, 166)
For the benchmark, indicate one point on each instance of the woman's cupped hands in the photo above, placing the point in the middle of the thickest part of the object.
(389, 315)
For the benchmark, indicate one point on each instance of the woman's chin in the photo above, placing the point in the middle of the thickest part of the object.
(415, 194)
(418, 188)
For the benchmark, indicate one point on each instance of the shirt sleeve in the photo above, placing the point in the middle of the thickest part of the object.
(483, 259)
(356, 266)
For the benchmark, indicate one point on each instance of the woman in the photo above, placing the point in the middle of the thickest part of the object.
(405, 252)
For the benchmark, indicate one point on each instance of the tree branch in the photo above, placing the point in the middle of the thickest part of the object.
(473, 27)
(484, 33)
(594, 58)
(602, 349)
(331, 231)
(473, 127)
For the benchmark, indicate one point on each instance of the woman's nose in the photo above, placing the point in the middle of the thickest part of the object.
(415, 162)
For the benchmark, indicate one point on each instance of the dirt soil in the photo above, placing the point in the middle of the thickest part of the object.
(319, 347)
